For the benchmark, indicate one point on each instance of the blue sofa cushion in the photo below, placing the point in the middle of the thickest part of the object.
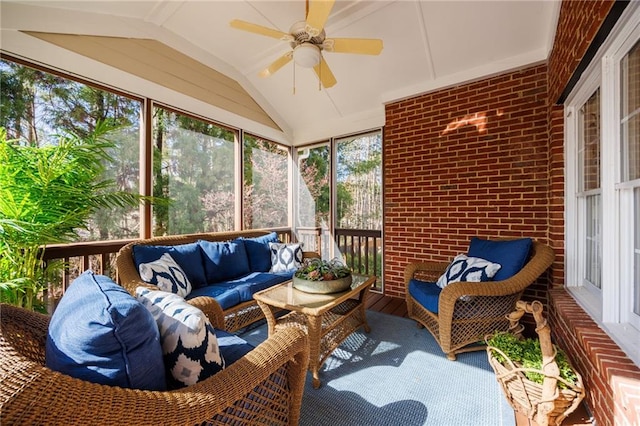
(102, 334)
(189, 342)
(248, 285)
(465, 268)
(188, 256)
(425, 293)
(258, 251)
(224, 260)
(225, 294)
(230, 293)
(166, 274)
(232, 347)
(511, 254)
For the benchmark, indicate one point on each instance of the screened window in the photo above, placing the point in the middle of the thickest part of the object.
(313, 198)
(266, 189)
(36, 106)
(193, 166)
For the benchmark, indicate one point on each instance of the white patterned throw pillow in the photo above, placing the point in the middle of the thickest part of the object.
(463, 268)
(189, 342)
(166, 274)
(285, 257)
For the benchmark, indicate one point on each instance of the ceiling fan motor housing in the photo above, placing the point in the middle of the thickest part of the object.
(300, 33)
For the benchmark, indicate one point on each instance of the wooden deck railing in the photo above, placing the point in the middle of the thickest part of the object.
(361, 251)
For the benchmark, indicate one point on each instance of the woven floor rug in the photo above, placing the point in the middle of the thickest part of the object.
(398, 375)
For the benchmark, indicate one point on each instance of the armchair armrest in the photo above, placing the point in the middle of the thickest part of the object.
(271, 375)
(425, 271)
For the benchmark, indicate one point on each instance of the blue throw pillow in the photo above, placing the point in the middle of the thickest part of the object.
(189, 342)
(510, 254)
(258, 251)
(166, 274)
(100, 333)
(470, 269)
(224, 260)
(188, 256)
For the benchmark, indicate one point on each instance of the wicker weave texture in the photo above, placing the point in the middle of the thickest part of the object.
(263, 387)
(460, 323)
(231, 319)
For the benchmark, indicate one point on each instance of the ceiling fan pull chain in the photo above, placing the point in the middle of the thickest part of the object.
(294, 78)
(320, 76)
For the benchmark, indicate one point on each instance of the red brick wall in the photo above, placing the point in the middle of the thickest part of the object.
(466, 161)
(487, 159)
(611, 379)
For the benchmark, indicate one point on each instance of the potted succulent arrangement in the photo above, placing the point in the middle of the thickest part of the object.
(322, 276)
(535, 375)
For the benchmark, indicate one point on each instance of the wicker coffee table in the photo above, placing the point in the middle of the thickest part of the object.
(328, 319)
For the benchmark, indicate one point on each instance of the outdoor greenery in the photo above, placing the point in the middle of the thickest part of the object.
(527, 354)
(47, 194)
(315, 269)
(194, 163)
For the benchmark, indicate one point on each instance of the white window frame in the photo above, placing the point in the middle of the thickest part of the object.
(611, 307)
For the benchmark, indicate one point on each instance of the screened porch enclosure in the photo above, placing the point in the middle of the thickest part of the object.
(216, 177)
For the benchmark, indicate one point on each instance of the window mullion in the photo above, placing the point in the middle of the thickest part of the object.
(609, 110)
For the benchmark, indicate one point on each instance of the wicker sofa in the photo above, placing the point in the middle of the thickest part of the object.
(230, 318)
(466, 312)
(263, 387)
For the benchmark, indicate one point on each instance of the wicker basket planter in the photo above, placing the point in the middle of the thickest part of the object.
(546, 403)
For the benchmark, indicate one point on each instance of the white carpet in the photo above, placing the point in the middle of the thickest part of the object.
(398, 375)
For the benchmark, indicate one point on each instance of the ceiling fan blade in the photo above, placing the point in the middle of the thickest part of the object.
(324, 74)
(259, 29)
(276, 65)
(319, 11)
(362, 46)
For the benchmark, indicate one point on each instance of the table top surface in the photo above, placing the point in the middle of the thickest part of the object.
(287, 297)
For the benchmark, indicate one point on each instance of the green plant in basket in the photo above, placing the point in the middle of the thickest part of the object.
(527, 354)
(316, 269)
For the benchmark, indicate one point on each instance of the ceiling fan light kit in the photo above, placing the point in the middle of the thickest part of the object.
(307, 40)
(306, 55)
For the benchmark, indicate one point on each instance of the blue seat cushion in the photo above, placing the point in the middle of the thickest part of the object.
(225, 294)
(258, 251)
(232, 347)
(102, 334)
(425, 293)
(230, 293)
(187, 256)
(224, 260)
(510, 254)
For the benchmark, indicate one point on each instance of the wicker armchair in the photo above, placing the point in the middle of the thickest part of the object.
(465, 321)
(231, 319)
(263, 387)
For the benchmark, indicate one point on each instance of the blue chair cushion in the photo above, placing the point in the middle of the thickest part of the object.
(224, 260)
(187, 256)
(102, 334)
(511, 255)
(232, 347)
(258, 251)
(425, 293)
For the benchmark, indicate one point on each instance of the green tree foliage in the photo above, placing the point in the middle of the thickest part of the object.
(36, 105)
(265, 167)
(46, 195)
(193, 166)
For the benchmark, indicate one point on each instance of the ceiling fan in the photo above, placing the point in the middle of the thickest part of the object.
(308, 40)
